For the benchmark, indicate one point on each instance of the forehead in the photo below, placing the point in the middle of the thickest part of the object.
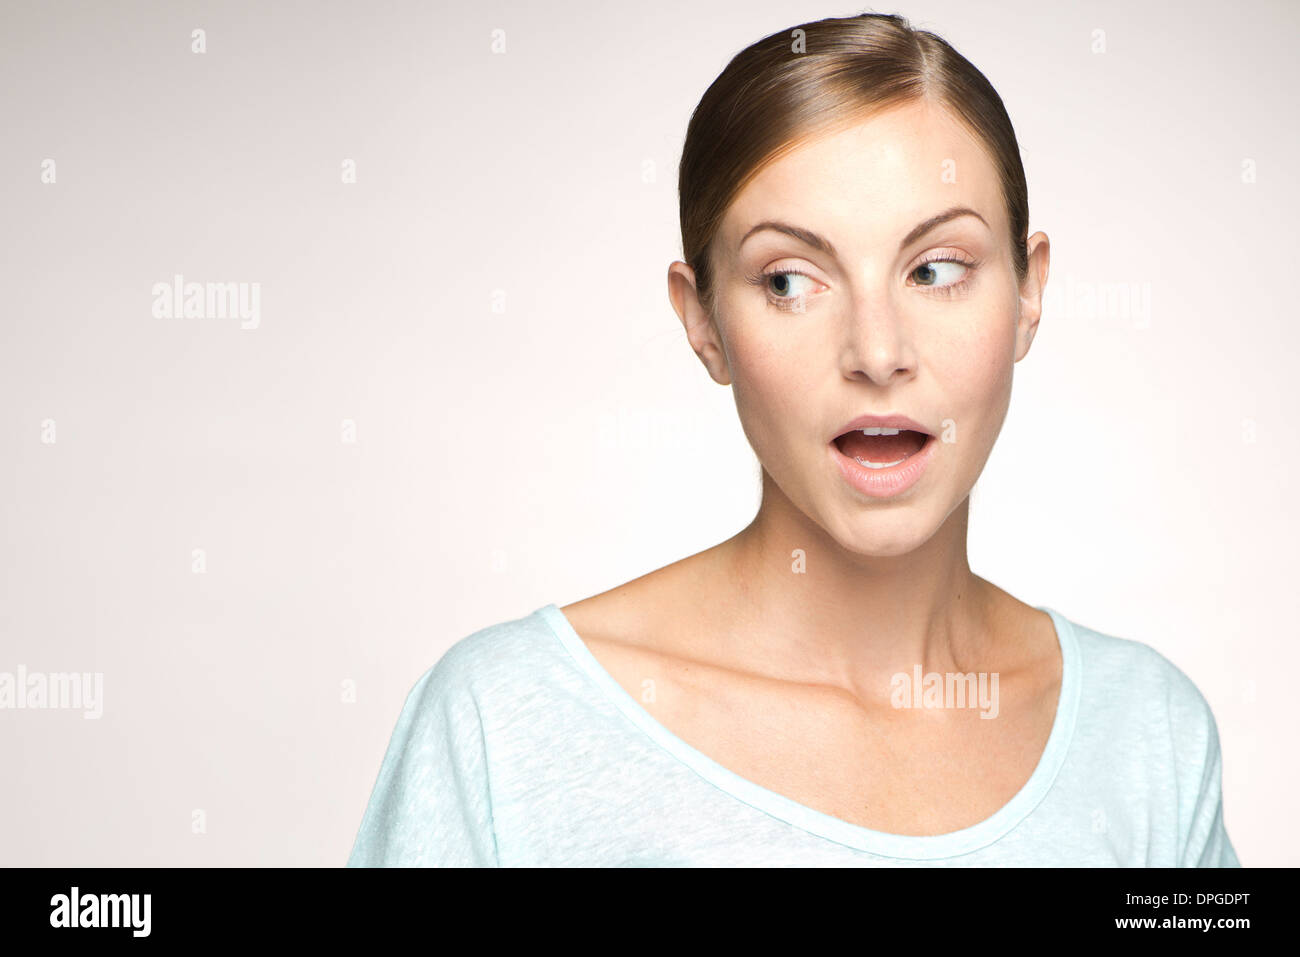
(874, 180)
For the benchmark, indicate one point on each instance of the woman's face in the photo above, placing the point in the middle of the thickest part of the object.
(883, 321)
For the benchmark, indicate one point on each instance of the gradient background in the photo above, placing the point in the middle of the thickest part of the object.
(488, 303)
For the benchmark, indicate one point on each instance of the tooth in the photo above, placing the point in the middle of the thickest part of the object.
(876, 430)
(876, 465)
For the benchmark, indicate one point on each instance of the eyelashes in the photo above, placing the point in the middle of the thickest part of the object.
(949, 289)
(932, 287)
(783, 303)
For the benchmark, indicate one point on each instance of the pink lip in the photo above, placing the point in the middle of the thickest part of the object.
(885, 483)
(883, 422)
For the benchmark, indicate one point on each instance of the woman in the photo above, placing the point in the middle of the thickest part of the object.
(832, 685)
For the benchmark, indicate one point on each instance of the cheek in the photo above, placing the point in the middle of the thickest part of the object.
(772, 382)
(975, 368)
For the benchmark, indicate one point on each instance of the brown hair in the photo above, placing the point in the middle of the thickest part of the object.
(814, 78)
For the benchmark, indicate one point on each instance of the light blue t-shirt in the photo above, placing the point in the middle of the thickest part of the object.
(517, 748)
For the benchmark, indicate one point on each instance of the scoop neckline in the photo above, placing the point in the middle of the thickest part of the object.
(819, 823)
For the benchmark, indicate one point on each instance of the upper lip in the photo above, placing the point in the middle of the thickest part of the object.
(881, 421)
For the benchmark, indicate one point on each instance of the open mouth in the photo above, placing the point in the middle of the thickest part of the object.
(880, 448)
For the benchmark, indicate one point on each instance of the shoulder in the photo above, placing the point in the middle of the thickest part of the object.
(1150, 729)
(1129, 680)
(1137, 666)
(494, 665)
(433, 800)
(498, 650)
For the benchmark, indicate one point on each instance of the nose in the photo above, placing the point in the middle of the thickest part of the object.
(876, 340)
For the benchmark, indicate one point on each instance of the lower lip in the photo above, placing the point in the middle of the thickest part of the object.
(885, 483)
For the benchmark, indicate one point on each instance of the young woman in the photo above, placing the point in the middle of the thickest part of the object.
(832, 685)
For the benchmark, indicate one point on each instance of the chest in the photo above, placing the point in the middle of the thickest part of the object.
(910, 770)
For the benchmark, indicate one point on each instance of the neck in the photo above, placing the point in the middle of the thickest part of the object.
(815, 611)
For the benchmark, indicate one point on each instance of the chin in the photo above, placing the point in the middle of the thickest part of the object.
(883, 533)
(884, 546)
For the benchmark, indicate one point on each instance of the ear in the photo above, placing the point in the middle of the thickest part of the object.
(1031, 292)
(701, 329)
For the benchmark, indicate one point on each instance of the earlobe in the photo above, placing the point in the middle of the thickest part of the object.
(701, 329)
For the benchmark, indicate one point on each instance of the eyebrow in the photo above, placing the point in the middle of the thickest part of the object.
(821, 243)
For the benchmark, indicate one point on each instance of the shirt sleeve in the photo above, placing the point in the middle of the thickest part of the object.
(1203, 837)
(431, 805)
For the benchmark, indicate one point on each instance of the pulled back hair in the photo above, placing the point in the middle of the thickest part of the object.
(816, 78)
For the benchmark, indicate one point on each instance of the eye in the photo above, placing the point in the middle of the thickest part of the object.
(941, 273)
(787, 284)
(786, 288)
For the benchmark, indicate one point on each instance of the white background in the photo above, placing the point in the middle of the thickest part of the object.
(571, 442)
